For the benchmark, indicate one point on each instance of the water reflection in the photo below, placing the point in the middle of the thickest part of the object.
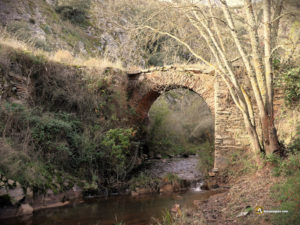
(109, 211)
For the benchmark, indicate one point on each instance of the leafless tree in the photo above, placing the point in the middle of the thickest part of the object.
(219, 35)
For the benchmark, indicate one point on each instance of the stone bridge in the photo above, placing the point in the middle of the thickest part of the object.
(145, 87)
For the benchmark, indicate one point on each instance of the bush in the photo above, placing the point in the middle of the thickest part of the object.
(206, 157)
(241, 163)
(28, 170)
(56, 137)
(288, 192)
(76, 11)
(117, 146)
(291, 85)
(60, 129)
(62, 141)
(171, 178)
(294, 146)
(143, 181)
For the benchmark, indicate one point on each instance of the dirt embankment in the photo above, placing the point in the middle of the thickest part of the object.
(237, 205)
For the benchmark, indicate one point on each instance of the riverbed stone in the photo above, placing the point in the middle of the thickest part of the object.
(29, 193)
(66, 183)
(175, 208)
(158, 156)
(16, 195)
(141, 191)
(211, 174)
(76, 188)
(166, 188)
(25, 209)
(3, 191)
(10, 182)
(134, 193)
(204, 186)
(49, 192)
(18, 185)
(138, 161)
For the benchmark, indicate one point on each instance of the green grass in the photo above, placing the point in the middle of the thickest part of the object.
(143, 180)
(171, 179)
(288, 192)
(42, 142)
(241, 163)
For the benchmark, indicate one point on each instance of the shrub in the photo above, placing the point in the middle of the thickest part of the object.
(55, 136)
(171, 178)
(241, 163)
(24, 168)
(294, 146)
(206, 157)
(144, 180)
(116, 144)
(291, 85)
(76, 11)
(288, 192)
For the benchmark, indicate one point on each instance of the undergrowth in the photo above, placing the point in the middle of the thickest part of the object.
(143, 180)
(60, 141)
(59, 121)
(241, 163)
(287, 193)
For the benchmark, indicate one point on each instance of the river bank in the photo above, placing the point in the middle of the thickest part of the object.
(173, 175)
(236, 206)
(133, 210)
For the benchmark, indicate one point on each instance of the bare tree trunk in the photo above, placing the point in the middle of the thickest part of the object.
(276, 21)
(256, 61)
(256, 54)
(271, 142)
(254, 140)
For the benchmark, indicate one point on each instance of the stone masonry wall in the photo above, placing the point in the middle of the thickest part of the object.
(230, 132)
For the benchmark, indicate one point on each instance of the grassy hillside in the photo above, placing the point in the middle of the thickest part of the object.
(53, 25)
(62, 122)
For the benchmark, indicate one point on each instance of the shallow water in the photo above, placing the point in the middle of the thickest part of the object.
(108, 211)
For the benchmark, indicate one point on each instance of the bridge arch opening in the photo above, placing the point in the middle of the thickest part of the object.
(179, 123)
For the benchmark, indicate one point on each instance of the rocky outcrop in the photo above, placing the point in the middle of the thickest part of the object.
(16, 200)
(11, 192)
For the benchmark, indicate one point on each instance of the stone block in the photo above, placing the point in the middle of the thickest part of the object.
(25, 209)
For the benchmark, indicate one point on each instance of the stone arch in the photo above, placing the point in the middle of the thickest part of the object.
(230, 133)
(145, 88)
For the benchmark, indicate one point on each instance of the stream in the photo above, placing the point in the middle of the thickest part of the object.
(109, 211)
(139, 210)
